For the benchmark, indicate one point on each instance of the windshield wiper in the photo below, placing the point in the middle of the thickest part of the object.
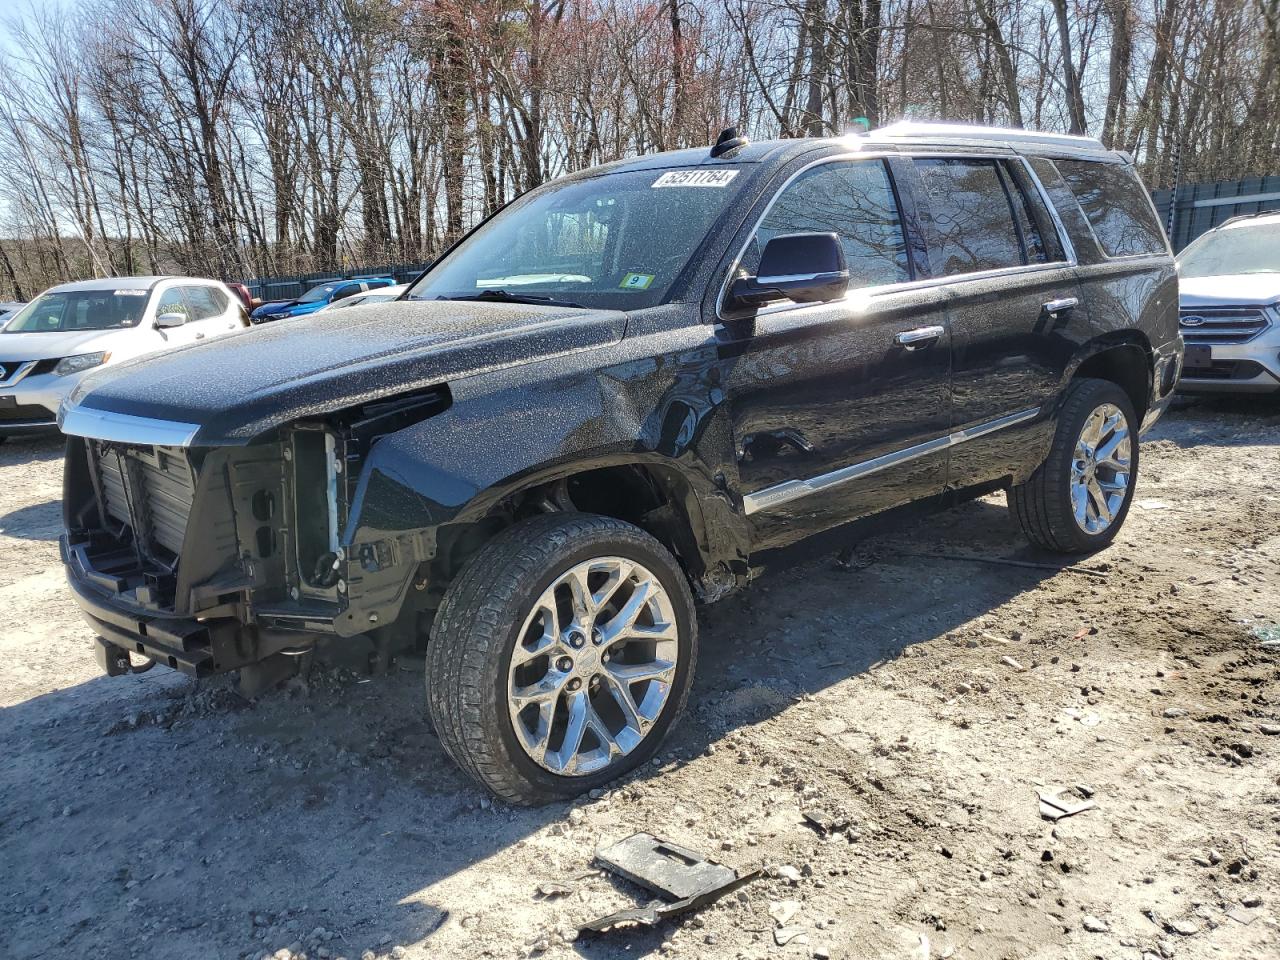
(502, 296)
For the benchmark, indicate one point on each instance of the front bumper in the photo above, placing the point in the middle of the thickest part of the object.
(34, 408)
(198, 648)
(1252, 367)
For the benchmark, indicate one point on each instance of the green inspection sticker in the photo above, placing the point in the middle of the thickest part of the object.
(636, 281)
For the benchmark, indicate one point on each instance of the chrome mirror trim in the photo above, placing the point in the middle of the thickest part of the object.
(80, 421)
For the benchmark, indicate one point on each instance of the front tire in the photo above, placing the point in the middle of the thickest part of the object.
(561, 655)
(1077, 500)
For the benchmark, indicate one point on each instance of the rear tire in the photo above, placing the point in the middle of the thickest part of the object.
(539, 686)
(1077, 500)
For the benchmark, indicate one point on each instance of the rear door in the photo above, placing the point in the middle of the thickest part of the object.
(835, 418)
(213, 313)
(1014, 307)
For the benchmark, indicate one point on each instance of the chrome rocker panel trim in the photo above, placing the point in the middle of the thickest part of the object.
(781, 493)
(125, 428)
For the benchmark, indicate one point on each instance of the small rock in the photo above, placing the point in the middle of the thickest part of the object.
(1251, 900)
(783, 911)
(1173, 713)
(1095, 925)
(789, 874)
(398, 952)
(1270, 729)
(549, 891)
(1014, 664)
(576, 816)
(1185, 927)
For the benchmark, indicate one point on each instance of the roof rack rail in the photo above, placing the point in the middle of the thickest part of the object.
(920, 130)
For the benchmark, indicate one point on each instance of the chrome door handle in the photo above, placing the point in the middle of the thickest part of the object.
(1057, 306)
(911, 339)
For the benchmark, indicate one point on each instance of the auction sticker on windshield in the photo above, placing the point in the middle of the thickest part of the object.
(130, 293)
(636, 281)
(695, 178)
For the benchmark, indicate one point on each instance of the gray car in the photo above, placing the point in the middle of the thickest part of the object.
(1229, 307)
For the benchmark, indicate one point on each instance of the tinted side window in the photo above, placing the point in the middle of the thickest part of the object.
(1069, 212)
(173, 301)
(854, 200)
(1116, 204)
(973, 218)
(206, 302)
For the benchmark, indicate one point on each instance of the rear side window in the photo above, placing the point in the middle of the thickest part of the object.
(975, 224)
(1116, 205)
(206, 302)
(854, 200)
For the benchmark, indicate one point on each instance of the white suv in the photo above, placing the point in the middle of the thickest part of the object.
(1229, 307)
(48, 345)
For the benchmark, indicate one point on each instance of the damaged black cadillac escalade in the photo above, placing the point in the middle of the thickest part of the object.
(629, 391)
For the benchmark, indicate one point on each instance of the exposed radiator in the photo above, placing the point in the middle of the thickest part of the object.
(149, 489)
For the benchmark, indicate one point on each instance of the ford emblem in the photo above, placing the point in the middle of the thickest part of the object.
(1193, 321)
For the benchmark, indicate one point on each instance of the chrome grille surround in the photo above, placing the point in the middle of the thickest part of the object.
(1222, 324)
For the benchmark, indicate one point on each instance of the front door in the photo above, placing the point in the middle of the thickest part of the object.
(840, 409)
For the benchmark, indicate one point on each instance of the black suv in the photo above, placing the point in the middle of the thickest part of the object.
(629, 391)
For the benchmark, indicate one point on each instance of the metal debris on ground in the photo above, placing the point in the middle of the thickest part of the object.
(825, 822)
(685, 879)
(1054, 806)
(549, 891)
(784, 935)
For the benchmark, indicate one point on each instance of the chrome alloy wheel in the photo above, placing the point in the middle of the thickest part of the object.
(593, 666)
(1100, 470)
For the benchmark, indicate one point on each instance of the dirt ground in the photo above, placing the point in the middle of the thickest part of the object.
(915, 700)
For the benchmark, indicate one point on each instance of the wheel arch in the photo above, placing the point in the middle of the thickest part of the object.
(1126, 359)
(684, 509)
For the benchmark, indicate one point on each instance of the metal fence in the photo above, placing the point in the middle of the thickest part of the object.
(286, 288)
(1201, 206)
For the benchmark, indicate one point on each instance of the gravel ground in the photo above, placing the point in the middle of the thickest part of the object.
(915, 700)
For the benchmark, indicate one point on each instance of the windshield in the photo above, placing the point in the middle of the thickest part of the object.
(617, 241)
(1249, 248)
(318, 293)
(80, 310)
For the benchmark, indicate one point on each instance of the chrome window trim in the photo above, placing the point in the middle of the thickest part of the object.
(1068, 247)
(789, 490)
(907, 285)
(80, 421)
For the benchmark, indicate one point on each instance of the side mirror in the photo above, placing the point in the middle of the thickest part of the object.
(167, 320)
(804, 267)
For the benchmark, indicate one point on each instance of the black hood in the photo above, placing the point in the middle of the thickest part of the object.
(238, 386)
